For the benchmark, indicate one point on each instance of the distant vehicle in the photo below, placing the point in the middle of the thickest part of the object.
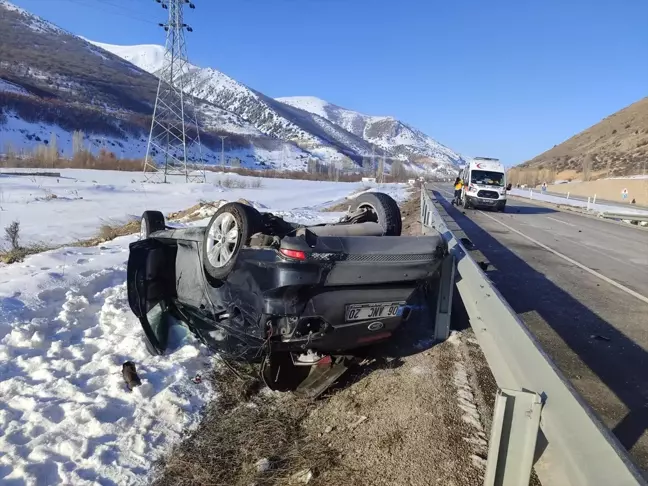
(484, 184)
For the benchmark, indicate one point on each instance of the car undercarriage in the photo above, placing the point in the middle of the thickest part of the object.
(300, 300)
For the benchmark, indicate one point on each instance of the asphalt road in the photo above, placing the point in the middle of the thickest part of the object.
(581, 286)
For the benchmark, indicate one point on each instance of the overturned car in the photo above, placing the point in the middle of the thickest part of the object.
(299, 299)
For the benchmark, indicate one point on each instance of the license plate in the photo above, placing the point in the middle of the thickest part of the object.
(373, 310)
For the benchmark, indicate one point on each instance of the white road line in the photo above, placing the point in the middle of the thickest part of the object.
(572, 261)
(558, 220)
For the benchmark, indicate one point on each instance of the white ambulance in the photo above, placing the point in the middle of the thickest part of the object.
(484, 184)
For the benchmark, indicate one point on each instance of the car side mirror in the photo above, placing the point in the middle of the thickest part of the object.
(508, 187)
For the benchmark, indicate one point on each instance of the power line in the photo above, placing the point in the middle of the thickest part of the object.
(100, 7)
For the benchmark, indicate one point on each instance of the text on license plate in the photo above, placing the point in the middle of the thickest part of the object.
(373, 310)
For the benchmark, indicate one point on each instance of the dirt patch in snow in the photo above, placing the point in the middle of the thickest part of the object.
(409, 421)
(411, 213)
(249, 436)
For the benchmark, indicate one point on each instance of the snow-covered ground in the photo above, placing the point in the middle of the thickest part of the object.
(11, 87)
(66, 329)
(86, 199)
(596, 208)
(65, 416)
(20, 136)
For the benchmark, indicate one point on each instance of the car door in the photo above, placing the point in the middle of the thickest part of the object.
(151, 288)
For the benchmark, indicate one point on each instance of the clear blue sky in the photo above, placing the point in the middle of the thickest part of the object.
(500, 78)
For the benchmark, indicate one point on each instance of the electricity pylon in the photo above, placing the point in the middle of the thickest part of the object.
(173, 147)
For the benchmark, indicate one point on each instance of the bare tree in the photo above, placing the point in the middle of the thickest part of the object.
(380, 169)
(397, 170)
(366, 165)
(53, 149)
(77, 142)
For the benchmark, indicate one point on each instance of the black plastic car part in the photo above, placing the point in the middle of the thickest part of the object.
(152, 221)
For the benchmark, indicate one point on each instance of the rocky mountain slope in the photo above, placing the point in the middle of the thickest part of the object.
(311, 132)
(619, 142)
(313, 124)
(386, 132)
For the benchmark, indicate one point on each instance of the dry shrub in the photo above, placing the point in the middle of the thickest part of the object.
(83, 159)
(12, 235)
(352, 176)
(232, 183)
(289, 174)
(110, 231)
(17, 252)
(15, 255)
(240, 428)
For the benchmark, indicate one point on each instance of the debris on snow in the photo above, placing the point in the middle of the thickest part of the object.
(129, 372)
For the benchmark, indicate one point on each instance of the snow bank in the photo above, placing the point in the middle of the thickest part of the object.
(66, 417)
(86, 199)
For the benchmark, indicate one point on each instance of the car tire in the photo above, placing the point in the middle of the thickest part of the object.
(385, 208)
(229, 229)
(151, 222)
(466, 203)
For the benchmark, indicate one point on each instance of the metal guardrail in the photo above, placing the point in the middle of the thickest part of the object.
(624, 216)
(539, 420)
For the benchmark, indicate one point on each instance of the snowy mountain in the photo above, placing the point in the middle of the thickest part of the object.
(53, 83)
(148, 57)
(311, 132)
(394, 136)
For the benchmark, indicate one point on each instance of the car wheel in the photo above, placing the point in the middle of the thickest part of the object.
(466, 203)
(229, 229)
(386, 211)
(151, 222)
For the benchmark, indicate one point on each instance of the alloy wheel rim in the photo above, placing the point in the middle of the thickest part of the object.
(222, 238)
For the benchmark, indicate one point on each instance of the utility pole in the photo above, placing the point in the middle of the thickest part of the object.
(171, 139)
(373, 161)
(223, 137)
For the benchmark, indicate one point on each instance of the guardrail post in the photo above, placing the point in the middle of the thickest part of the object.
(444, 301)
(514, 432)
